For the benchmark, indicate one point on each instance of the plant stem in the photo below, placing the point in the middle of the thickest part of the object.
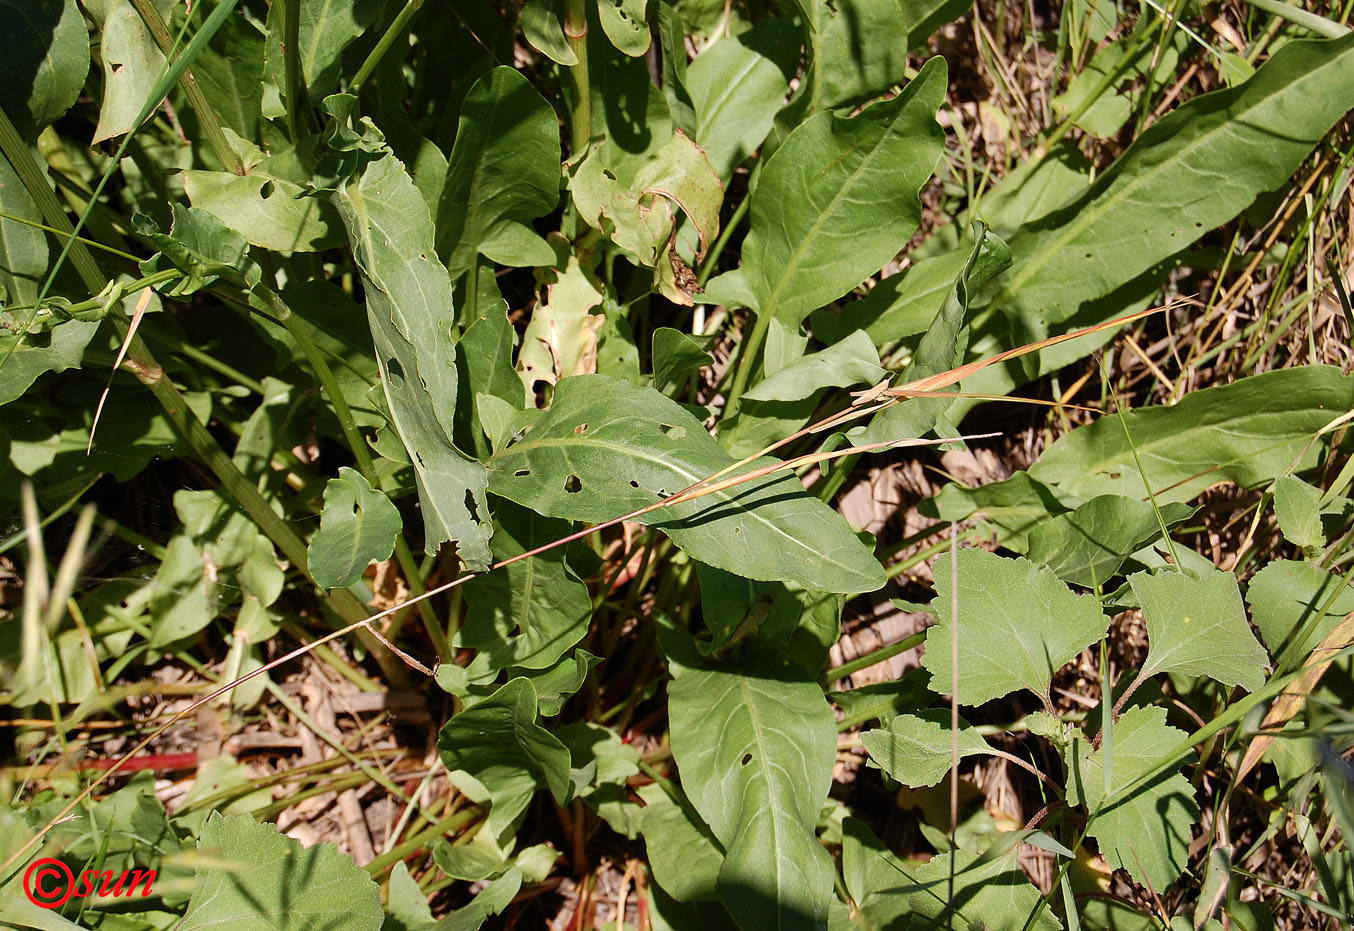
(875, 656)
(211, 126)
(383, 45)
(300, 120)
(580, 111)
(708, 266)
(747, 361)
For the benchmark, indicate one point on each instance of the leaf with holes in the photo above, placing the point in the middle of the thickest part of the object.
(1017, 626)
(358, 525)
(755, 750)
(607, 447)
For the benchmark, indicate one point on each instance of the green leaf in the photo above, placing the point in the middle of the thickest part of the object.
(1197, 626)
(358, 525)
(254, 879)
(623, 22)
(607, 447)
(409, 310)
(1287, 597)
(543, 30)
(503, 173)
(131, 65)
(23, 252)
(676, 357)
(486, 351)
(874, 878)
(45, 64)
(672, 53)
(1297, 506)
(60, 348)
(1087, 546)
(228, 71)
(977, 892)
(737, 84)
(1246, 433)
(1146, 833)
(915, 748)
(556, 685)
(499, 743)
(684, 858)
(489, 901)
(755, 752)
(942, 346)
(856, 52)
(1017, 626)
(407, 908)
(1261, 131)
(267, 211)
(832, 178)
(327, 28)
(529, 613)
(201, 247)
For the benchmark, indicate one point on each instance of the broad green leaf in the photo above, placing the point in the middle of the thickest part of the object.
(409, 310)
(875, 880)
(486, 351)
(626, 106)
(737, 84)
(676, 357)
(503, 173)
(1010, 510)
(1197, 626)
(541, 24)
(499, 743)
(1245, 433)
(358, 525)
(942, 346)
(131, 65)
(856, 49)
(327, 27)
(23, 256)
(45, 64)
(1148, 832)
(561, 338)
(60, 348)
(607, 447)
(977, 892)
(623, 22)
(407, 908)
(1297, 506)
(1087, 546)
(254, 879)
(1260, 131)
(830, 179)
(267, 211)
(672, 53)
(755, 752)
(529, 613)
(1128, 61)
(1287, 597)
(785, 401)
(915, 748)
(684, 858)
(557, 684)
(768, 617)
(489, 901)
(201, 247)
(923, 17)
(1017, 626)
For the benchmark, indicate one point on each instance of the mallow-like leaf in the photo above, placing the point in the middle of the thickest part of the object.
(915, 748)
(409, 310)
(358, 524)
(252, 878)
(1297, 507)
(607, 447)
(1291, 599)
(963, 890)
(503, 173)
(755, 750)
(1017, 626)
(1087, 546)
(832, 178)
(1197, 626)
(1147, 832)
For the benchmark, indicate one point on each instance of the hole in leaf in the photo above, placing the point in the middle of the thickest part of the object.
(677, 433)
(747, 758)
(470, 505)
(633, 483)
(662, 492)
(266, 190)
(581, 429)
(573, 484)
(522, 473)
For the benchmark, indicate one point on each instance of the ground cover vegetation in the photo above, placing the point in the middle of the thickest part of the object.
(879, 464)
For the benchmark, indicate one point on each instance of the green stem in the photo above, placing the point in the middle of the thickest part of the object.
(300, 119)
(747, 361)
(875, 656)
(1300, 17)
(708, 266)
(211, 126)
(383, 45)
(450, 824)
(580, 112)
